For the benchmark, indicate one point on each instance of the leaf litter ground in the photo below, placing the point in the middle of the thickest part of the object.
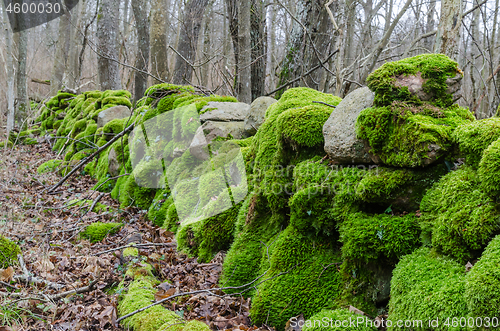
(46, 227)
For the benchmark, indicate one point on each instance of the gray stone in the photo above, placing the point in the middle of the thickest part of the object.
(256, 116)
(415, 83)
(210, 130)
(224, 111)
(213, 129)
(112, 113)
(198, 147)
(113, 164)
(339, 131)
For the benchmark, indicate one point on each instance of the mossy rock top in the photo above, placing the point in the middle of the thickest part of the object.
(406, 135)
(427, 77)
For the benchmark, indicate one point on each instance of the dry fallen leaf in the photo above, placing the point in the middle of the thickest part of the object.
(6, 275)
(44, 265)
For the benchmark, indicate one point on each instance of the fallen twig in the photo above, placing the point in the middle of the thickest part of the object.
(88, 158)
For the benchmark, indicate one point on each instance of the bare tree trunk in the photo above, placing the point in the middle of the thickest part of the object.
(73, 77)
(107, 24)
(232, 12)
(22, 104)
(258, 22)
(430, 24)
(142, 57)
(62, 50)
(302, 55)
(158, 38)
(272, 47)
(245, 55)
(188, 39)
(9, 69)
(448, 32)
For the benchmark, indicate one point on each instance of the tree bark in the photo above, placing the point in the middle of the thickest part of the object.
(258, 67)
(188, 39)
(107, 24)
(142, 57)
(62, 50)
(22, 103)
(430, 24)
(73, 76)
(158, 39)
(245, 56)
(448, 31)
(232, 12)
(9, 69)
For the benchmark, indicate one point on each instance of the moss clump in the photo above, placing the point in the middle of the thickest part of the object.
(7, 143)
(403, 136)
(402, 189)
(114, 100)
(157, 212)
(371, 237)
(473, 138)
(426, 287)
(489, 169)
(114, 127)
(434, 68)
(482, 283)
(305, 287)
(458, 217)
(303, 126)
(130, 251)
(9, 252)
(49, 166)
(323, 196)
(96, 232)
(338, 320)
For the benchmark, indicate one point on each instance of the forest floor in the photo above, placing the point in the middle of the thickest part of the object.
(46, 227)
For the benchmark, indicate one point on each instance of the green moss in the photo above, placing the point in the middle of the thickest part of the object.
(9, 251)
(255, 226)
(131, 193)
(482, 283)
(489, 169)
(402, 189)
(157, 211)
(93, 94)
(49, 166)
(7, 142)
(86, 137)
(338, 320)
(303, 126)
(29, 141)
(434, 68)
(208, 236)
(404, 136)
(473, 138)
(57, 124)
(96, 232)
(113, 100)
(371, 237)
(130, 251)
(172, 219)
(458, 216)
(116, 93)
(306, 285)
(194, 325)
(114, 127)
(425, 287)
(323, 196)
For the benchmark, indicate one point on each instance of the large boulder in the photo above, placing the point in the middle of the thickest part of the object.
(224, 112)
(116, 112)
(339, 131)
(256, 116)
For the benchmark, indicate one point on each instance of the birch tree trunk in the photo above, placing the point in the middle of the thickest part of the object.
(448, 31)
(245, 56)
(107, 25)
(188, 39)
(158, 39)
(142, 57)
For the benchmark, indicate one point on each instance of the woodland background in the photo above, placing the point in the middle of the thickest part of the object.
(245, 48)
